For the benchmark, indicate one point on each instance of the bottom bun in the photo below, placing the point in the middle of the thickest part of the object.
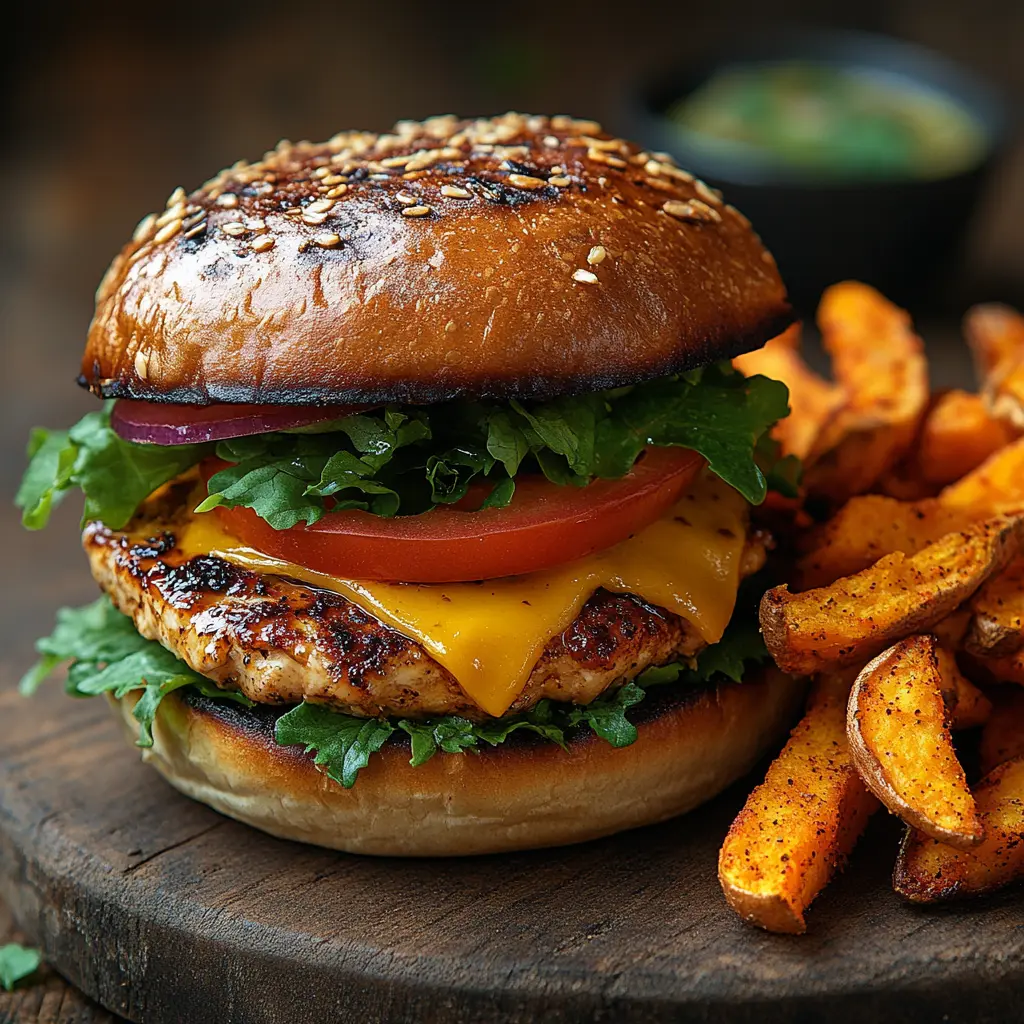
(525, 793)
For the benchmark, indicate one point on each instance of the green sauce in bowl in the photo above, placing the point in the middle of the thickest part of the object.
(831, 122)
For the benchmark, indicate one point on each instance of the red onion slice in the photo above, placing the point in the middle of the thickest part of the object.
(159, 423)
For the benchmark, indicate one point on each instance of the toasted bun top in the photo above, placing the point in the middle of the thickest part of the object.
(511, 257)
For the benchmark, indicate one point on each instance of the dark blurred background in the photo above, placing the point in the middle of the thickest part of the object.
(107, 107)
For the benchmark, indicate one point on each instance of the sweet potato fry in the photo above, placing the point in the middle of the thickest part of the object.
(801, 823)
(857, 617)
(967, 707)
(996, 337)
(870, 526)
(813, 401)
(928, 871)
(958, 435)
(1002, 738)
(901, 745)
(997, 623)
(880, 365)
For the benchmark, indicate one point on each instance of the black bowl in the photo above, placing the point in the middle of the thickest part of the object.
(899, 235)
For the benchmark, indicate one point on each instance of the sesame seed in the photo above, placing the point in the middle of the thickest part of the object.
(228, 200)
(338, 190)
(235, 228)
(257, 224)
(380, 177)
(199, 229)
(450, 327)
(694, 210)
(313, 218)
(320, 206)
(321, 172)
(551, 141)
(454, 192)
(176, 197)
(293, 211)
(264, 188)
(709, 195)
(597, 254)
(263, 243)
(526, 181)
(167, 232)
(416, 211)
(601, 157)
(584, 277)
(334, 179)
(144, 228)
(603, 144)
(328, 240)
(560, 181)
(414, 175)
(660, 184)
(407, 198)
(141, 364)
(170, 214)
(395, 161)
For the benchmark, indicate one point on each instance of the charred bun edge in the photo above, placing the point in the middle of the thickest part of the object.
(523, 794)
(429, 392)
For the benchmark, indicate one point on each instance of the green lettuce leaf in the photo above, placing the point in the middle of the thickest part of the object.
(17, 963)
(342, 744)
(398, 461)
(115, 475)
(107, 655)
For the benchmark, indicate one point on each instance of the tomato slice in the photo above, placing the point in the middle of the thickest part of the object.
(545, 524)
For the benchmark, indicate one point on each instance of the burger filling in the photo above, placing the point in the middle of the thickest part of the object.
(456, 572)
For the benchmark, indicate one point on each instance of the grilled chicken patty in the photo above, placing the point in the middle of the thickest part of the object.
(280, 642)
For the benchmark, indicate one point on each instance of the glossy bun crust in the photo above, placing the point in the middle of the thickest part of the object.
(516, 256)
(523, 794)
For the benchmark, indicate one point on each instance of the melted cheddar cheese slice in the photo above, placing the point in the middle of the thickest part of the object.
(490, 634)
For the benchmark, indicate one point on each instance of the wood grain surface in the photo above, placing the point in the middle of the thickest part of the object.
(164, 911)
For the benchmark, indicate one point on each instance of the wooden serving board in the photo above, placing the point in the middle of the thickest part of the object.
(164, 911)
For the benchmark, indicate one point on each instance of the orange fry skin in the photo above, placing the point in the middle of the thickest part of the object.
(797, 828)
(858, 616)
(902, 747)
(995, 334)
(928, 871)
(879, 363)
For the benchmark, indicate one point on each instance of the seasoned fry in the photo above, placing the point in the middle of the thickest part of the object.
(871, 526)
(901, 745)
(928, 871)
(879, 363)
(801, 823)
(997, 625)
(1002, 738)
(958, 435)
(995, 335)
(813, 401)
(857, 617)
(966, 706)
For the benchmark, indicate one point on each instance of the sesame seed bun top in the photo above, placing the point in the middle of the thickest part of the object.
(510, 257)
